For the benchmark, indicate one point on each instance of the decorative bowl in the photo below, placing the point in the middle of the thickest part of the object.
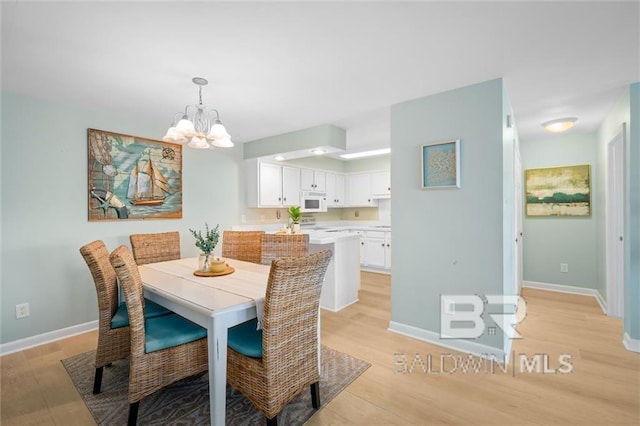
(218, 265)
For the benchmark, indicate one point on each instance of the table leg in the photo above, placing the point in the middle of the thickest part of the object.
(217, 370)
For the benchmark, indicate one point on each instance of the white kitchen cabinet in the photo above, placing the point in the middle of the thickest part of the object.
(387, 250)
(313, 180)
(374, 249)
(359, 190)
(381, 184)
(271, 185)
(335, 190)
(290, 186)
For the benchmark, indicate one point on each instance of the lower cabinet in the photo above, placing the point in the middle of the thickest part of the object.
(375, 249)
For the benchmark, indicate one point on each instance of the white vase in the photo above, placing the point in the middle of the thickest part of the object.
(295, 228)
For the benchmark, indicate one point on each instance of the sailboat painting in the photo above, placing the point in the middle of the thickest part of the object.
(147, 187)
(133, 178)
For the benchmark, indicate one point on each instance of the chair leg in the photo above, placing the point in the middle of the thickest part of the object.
(97, 380)
(315, 394)
(133, 414)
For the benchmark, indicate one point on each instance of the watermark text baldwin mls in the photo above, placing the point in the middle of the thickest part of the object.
(447, 363)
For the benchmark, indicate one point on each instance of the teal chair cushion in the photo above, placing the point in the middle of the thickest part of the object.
(170, 330)
(245, 339)
(151, 310)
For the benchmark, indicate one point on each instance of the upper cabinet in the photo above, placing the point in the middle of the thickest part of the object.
(278, 185)
(290, 186)
(359, 190)
(381, 184)
(271, 185)
(313, 180)
(335, 190)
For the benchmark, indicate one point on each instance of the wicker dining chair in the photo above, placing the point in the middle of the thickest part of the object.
(150, 248)
(113, 320)
(163, 349)
(273, 365)
(242, 245)
(283, 245)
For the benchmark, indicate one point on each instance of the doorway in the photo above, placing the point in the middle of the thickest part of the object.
(614, 220)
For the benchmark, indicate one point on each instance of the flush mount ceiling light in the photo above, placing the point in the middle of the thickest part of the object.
(318, 151)
(200, 129)
(560, 124)
(366, 153)
(279, 158)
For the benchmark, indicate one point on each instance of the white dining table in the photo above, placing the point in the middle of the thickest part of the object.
(215, 303)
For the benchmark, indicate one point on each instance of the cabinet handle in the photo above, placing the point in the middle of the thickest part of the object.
(369, 200)
(387, 245)
(285, 199)
(389, 189)
(362, 243)
(279, 199)
(382, 244)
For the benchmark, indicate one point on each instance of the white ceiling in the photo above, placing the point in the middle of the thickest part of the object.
(279, 67)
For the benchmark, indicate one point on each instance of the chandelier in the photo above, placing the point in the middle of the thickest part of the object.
(200, 129)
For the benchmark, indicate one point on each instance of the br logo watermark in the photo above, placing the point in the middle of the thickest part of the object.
(461, 316)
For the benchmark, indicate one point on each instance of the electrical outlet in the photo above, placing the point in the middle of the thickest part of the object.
(22, 310)
(564, 267)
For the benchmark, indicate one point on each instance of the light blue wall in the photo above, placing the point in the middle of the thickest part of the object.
(447, 241)
(320, 162)
(44, 208)
(323, 135)
(378, 163)
(549, 241)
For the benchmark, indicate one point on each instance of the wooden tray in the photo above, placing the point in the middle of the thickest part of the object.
(227, 271)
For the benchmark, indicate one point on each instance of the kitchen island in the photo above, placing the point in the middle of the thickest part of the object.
(342, 280)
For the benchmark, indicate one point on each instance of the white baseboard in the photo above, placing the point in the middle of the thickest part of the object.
(375, 270)
(630, 344)
(569, 289)
(340, 308)
(459, 345)
(52, 336)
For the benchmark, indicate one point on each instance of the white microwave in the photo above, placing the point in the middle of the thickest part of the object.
(313, 202)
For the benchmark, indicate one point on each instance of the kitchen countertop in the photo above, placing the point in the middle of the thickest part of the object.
(321, 233)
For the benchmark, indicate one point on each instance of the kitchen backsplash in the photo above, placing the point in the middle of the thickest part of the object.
(281, 215)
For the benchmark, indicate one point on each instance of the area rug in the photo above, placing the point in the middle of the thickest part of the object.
(187, 402)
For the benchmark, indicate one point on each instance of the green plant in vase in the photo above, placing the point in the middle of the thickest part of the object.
(295, 215)
(207, 243)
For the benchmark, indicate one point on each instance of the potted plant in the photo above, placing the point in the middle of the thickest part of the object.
(295, 215)
(207, 243)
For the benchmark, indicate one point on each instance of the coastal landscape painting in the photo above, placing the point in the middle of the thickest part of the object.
(133, 178)
(558, 191)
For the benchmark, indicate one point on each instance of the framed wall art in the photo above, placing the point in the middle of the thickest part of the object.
(440, 164)
(558, 191)
(133, 178)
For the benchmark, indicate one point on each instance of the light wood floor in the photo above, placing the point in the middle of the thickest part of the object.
(602, 389)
